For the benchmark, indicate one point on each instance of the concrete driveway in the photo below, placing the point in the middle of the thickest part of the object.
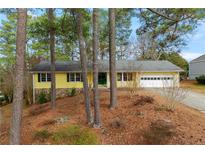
(195, 100)
(192, 99)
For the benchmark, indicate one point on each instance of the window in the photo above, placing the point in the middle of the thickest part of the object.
(78, 77)
(44, 77)
(48, 77)
(119, 76)
(127, 76)
(74, 77)
(124, 76)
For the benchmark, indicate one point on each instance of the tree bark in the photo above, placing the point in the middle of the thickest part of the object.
(95, 68)
(1, 120)
(15, 129)
(112, 59)
(52, 55)
(83, 59)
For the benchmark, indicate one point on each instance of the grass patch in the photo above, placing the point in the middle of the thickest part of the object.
(41, 135)
(193, 85)
(168, 108)
(75, 135)
(70, 135)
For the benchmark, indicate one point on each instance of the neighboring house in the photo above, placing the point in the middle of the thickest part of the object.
(129, 73)
(197, 67)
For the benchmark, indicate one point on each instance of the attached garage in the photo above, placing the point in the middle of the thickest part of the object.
(157, 81)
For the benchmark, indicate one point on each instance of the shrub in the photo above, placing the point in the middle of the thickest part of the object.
(168, 107)
(201, 79)
(8, 98)
(42, 98)
(41, 135)
(74, 135)
(1, 99)
(71, 92)
(160, 132)
(142, 100)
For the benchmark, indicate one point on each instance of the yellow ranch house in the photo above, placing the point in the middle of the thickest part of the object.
(129, 73)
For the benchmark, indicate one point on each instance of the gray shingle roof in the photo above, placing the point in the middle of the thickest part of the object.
(121, 66)
(201, 58)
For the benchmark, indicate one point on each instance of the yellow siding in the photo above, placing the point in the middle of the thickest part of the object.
(61, 82)
(136, 78)
(159, 73)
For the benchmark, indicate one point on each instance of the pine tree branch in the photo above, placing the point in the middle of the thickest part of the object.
(163, 15)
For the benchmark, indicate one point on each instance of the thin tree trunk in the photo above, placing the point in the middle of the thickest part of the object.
(52, 54)
(1, 120)
(83, 59)
(15, 129)
(95, 68)
(112, 58)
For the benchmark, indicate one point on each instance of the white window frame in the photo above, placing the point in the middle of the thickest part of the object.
(46, 77)
(123, 76)
(75, 77)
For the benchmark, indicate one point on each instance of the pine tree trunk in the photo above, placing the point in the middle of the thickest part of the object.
(1, 120)
(112, 58)
(52, 55)
(95, 68)
(83, 59)
(15, 129)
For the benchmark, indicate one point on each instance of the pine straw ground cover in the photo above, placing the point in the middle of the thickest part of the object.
(127, 124)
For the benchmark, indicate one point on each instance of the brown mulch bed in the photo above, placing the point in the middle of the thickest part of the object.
(190, 123)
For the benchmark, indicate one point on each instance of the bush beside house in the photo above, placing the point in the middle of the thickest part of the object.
(201, 79)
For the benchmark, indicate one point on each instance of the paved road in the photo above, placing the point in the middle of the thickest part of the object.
(192, 99)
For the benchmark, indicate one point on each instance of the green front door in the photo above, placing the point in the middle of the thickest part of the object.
(102, 78)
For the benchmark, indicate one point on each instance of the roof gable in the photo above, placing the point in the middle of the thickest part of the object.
(201, 58)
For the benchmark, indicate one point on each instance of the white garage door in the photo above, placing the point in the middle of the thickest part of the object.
(156, 81)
